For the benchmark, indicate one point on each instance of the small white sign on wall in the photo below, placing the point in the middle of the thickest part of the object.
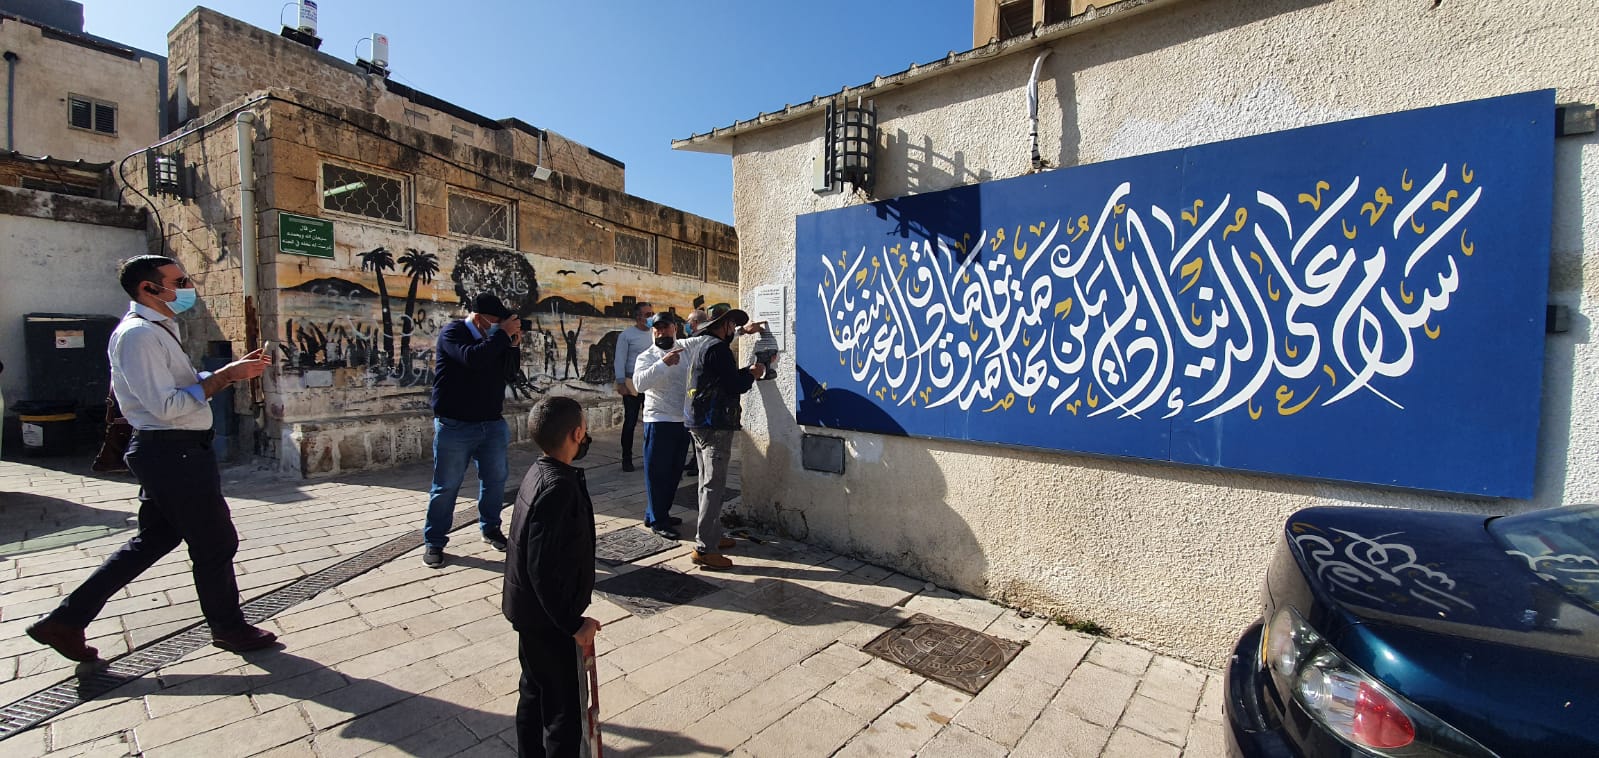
(767, 304)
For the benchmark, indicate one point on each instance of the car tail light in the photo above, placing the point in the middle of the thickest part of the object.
(1349, 703)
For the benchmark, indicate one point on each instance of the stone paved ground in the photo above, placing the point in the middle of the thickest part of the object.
(411, 661)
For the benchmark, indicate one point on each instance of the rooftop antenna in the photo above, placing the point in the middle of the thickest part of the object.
(378, 63)
(304, 30)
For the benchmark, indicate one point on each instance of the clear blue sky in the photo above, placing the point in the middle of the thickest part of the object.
(625, 77)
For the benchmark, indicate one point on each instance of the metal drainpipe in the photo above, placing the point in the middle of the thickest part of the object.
(1032, 106)
(11, 99)
(245, 124)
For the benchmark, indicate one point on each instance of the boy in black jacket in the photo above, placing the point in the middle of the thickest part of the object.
(549, 581)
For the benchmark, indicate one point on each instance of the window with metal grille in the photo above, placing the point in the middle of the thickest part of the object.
(482, 218)
(94, 115)
(359, 192)
(688, 261)
(727, 269)
(635, 250)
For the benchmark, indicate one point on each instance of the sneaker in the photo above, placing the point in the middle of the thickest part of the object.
(433, 556)
(627, 464)
(710, 560)
(495, 537)
(726, 543)
(666, 531)
(64, 639)
(244, 640)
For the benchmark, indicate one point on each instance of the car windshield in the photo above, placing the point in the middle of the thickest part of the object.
(1560, 545)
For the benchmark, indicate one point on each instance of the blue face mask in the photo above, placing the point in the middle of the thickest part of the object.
(186, 300)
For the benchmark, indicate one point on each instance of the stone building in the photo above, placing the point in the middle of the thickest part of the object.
(377, 212)
(1035, 496)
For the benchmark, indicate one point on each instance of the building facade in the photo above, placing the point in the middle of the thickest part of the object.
(1168, 555)
(378, 212)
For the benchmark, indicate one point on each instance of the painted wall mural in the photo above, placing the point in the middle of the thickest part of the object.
(357, 323)
(1360, 301)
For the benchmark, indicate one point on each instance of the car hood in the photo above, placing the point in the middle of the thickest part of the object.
(1436, 572)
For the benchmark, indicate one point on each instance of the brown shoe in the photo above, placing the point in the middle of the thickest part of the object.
(710, 560)
(727, 543)
(66, 640)
(244, 640)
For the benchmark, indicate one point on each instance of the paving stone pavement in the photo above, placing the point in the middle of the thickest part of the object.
(411, 661)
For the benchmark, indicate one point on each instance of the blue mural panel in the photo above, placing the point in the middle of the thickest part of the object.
(1359, 301)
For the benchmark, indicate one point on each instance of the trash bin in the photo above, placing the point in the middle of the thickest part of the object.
(47, 428)
(67, 357)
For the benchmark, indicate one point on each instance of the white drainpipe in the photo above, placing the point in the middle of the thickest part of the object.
(1032, 106)
(245, 123)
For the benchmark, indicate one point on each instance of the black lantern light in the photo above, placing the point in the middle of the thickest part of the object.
(851, 145)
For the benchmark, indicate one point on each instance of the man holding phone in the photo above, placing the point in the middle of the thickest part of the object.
(468, 421)
(180, 487)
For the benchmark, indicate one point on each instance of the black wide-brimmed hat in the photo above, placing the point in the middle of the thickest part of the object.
(738, 317)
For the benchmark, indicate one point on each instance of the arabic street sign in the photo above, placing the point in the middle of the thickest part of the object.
(303, 235)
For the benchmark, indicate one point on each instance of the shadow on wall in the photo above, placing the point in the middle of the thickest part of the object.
(890, 506)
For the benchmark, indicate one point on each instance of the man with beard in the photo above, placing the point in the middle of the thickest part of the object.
(662, 376)
(712, 413)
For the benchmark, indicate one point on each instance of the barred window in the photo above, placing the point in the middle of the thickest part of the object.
(727, 269)
(482, 218)
(688, 260)
(94, 115)
(637, 251)
(360, 192)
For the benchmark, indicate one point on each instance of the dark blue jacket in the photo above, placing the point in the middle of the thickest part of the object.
(469, 374)
(549, 554)
(714, 401)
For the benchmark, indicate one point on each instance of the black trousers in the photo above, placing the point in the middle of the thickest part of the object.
(632, 408)
(180, 500)
(549, 711)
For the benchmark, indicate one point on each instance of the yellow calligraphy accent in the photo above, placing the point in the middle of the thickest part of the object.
(1030, 407)
(1432, 331)
(966, 278)
(1082, 227)
(1093, 401)
(1254, 413)
(1293, 352)
(1466, 248)
(1018, 248)
(974, 332)
(860, 278)
(1192, 217)
(841, 359)
(1006, 403)
(1466, 174)
(880, 392)
(1405, 182)
(904, 262)
(1260, 265)
(1406, 297)
(965, 240)
(1063, 307)
(1286, 396)
(1191, 270)
(1073, 406)
(1443, 205)
(1121, 244)
(1120, 209)
(1330, 375)
(1240, 216)
(1271, 291)
(1314, 201)
(1025, 341)
(1379, 204)
(927, 395)
(1349, 233)
(1417, 228)
(999, 236)
(1193, 314)
(1036, 229)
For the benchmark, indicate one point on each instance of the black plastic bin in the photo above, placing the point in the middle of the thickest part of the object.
(48, 428)
(67, 357)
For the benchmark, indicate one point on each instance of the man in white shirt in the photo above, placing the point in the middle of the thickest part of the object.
(661, 375)
(630, 344)
(180, 495)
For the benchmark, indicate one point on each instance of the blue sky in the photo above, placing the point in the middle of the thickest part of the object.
(625, 77)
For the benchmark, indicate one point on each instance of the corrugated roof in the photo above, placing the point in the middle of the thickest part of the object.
(719, 139)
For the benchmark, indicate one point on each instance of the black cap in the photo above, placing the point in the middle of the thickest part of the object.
(490, 305)
(664, 317)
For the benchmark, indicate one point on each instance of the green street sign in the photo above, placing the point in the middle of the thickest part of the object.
(303, 235)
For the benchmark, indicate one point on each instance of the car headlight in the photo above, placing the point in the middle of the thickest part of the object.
(1352, 705)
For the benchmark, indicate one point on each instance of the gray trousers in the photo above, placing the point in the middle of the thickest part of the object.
(713, 449)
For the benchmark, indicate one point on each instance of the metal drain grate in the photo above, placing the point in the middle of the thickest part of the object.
(962, 658)
(650, 590)
(66, 695)
(628, 545)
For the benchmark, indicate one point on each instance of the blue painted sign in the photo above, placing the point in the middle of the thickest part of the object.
(1360, 301)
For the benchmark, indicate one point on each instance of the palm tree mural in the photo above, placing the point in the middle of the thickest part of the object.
(378, 260)
(420, 267)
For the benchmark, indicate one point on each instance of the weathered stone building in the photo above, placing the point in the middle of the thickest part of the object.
(377, 211)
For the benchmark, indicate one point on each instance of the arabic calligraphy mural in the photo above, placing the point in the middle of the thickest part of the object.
(1361, 300)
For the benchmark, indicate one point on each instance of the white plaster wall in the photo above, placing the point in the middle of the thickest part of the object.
(1168, 556)
(55, 267)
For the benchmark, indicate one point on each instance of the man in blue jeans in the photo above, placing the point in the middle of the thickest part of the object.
(469, 375)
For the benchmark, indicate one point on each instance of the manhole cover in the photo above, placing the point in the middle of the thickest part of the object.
(959, 657)
(628, 545)
(649, 591)
(688, 496)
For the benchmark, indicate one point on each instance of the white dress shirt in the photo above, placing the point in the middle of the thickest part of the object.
(664, 386)
(156, 385)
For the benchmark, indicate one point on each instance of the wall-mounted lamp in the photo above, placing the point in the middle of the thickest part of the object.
(849, 147)
(167, 175)
(541, 173)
